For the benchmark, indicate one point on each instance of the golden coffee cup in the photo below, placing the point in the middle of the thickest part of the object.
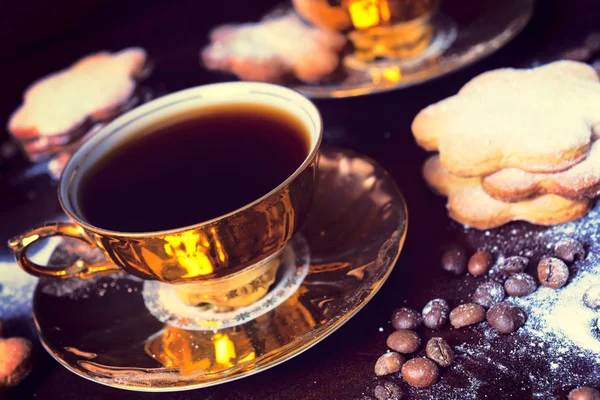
(229, 261)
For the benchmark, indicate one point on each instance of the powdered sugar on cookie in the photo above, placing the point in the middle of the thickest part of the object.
(581, 181)
(93, 88)
(272, 49)
(537, 120)
(469, 204)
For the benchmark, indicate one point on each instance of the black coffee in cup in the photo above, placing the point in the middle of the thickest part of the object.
(192, 167)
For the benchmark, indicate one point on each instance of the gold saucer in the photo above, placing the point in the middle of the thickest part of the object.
(102, 328)
(478, 32)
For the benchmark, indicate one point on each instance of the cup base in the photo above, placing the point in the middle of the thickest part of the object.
(240, 289)
(442, 33)
(171, 306)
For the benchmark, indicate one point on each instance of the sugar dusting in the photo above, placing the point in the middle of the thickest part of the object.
(16, 286)
(561, 335)
(96, 286)
(556, 350)
(561, 313)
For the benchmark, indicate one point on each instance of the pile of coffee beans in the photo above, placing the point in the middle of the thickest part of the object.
(418, 371)
(506, 277)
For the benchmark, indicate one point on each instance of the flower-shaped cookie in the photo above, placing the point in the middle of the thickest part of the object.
(469, 204)
(581, 181)
(271, 50)
(95, 88)
(537, 120)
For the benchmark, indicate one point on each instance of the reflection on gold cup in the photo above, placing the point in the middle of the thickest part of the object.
(208, 352)
(390, 29)
(236, 290)
(200, 352)
(214, 259)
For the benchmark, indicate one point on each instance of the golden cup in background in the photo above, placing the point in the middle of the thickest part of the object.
(390, 29)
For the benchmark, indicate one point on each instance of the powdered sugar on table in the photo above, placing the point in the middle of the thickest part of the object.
(16, 286)
(561, 336)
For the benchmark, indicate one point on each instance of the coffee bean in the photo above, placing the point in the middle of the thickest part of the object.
(480, 263)
(387, 391)
(420, 372)
(404, 341)
(513, 265)
(438, 350)
(520, 284)
(506, 317)
(488, 293)
(467, 314)
(388, 363)
(406, 318)
(455, 261)
(435, 313)
(552, 272)
(569, 250)
(584, 393)
(591, 297)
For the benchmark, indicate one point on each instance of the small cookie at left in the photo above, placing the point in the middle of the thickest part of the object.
(61, 108)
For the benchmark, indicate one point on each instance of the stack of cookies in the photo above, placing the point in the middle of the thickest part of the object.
(516, 145)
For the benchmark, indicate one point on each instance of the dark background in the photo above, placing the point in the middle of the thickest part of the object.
(38, 37)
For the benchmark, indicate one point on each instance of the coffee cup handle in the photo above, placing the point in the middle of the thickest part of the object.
(80, 268)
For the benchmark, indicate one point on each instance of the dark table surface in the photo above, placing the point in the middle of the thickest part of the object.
(39, 37)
